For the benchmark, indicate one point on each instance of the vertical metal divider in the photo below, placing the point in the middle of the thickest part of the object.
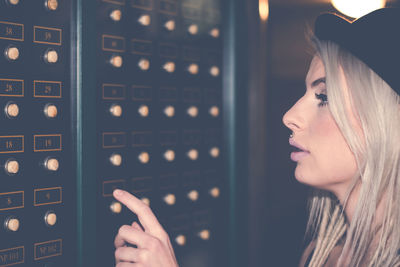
(235, 105)
(86, 130)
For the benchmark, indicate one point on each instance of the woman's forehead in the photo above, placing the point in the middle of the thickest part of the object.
(315, 71)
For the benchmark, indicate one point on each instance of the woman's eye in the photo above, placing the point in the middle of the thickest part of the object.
(323, 98)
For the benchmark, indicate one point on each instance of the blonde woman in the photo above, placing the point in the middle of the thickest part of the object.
(346, 134)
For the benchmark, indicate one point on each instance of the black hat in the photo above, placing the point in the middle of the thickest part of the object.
(373, 38)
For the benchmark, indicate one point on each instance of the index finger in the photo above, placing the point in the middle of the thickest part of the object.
(142, 211)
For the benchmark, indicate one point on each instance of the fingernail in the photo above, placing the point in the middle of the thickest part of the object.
(118, 192)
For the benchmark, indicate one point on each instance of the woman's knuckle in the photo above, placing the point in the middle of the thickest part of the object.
(144, 256)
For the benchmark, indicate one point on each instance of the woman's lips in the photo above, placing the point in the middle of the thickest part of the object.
(297, 155)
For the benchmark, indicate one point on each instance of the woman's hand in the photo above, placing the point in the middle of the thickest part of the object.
(154, 248)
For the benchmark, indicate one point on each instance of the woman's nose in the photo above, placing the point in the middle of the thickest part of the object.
(292, 119)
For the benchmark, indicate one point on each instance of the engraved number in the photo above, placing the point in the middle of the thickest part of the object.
(9, 31)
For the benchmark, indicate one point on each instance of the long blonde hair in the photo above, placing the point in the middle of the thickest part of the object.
(377, 153)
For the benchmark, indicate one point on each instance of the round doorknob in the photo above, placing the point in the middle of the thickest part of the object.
(170, 25)
(116, 159)
(193, 154)
(50, 111)
(50, 218)
(144, 111)
(116, 15)
(116, 61)
(214, 32)
(13, 2)
(144, 157)
(51, 164)
(169, 155)
(11, 167)
(169, 111)
(115, 207)
(116, 110)
(12, 110)
(193, 111)
(170, 199)
(214, 152)
(180, 240)
(193, 195)
(204, 234)
(51, 56)
(193, 68)
(12, 53)
(193, 29)
(12, 224)
(214, 111)
(51, 5)
(214, 71)
(144, 20)
(169, 67)
(214, 192)
(144, 64)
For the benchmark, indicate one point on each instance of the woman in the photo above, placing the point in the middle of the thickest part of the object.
(347, 148)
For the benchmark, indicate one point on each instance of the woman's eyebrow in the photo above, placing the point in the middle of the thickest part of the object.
(318, 81)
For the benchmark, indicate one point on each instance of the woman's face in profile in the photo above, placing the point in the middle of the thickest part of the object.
(328, 162)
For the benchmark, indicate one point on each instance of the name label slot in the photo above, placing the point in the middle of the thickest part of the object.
(168, 138)
(141, 47)
(140, 139)
(11, 200)
(11, 31)
(212, 96)
(191, 178)
(114, 91)
(168, 7)
(47, 142)
(12, 256)
(190, 53)
(168, 181)
(11, 144)
(114, 140)
(168, 50)
(168, 94)
(111, 185)
(113, 43)
(45, 35)
(191, 137)
(142, 93)
(191, 12)
(212, 136)
(48, 249)
(48, 89)
(143, 4)
(117, 2)
(191, 95)
(47, 196)
(142, 184)
(11, 87)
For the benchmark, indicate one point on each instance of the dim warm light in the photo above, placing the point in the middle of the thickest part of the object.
(263, 8)
(357, 8)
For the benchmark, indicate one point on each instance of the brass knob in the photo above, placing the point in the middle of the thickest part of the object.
(12, 224)
(193, 29)
(170, 25)
(144, 157)
(13, 2)
(51, 56)
(214, 111)
(193, 69)
(144, 111)
(116, 159)
(169, 111)
(12, 110)
(144, 64)
(193, 154)
(214, 32)
(169, 155)
(51, 5)
(145, 20)
(214, 71)
(204, 234)
(50, 218)
(115, 207)
(170, 199)
(116, 110)
(12, 53)
(116, 15)
(116, 61)
(214, 192)
(51, 164)
(193, 195)
(193, 111)
(169, 66)
(180, 240)
(214, 152)
(145, 200)
(12, 166)
(50, 111)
